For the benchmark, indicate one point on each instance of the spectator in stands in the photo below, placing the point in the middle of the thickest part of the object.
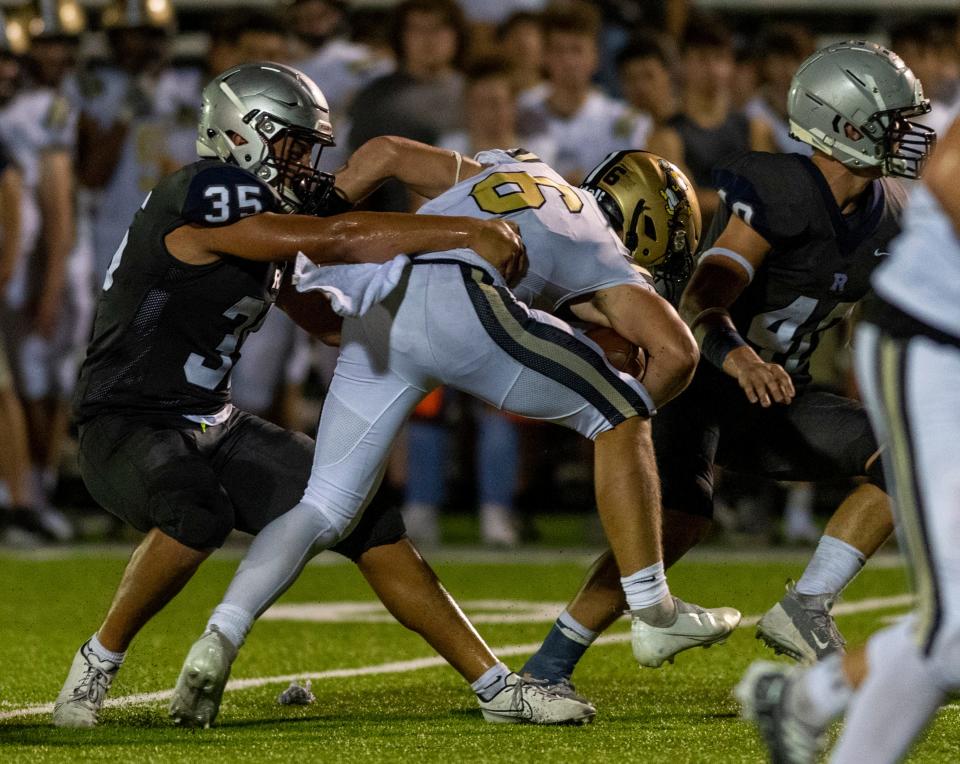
(520, 44)
(585, 123)
(497, 466)
(709, 127)
(491, 115)
(338, 65)
(423, 98)
(781, 49)
(622, 19)
(926, 48)
(647, 71)
(486, 18)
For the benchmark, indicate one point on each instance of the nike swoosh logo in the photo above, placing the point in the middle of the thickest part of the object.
(879, 253)
(821, 645)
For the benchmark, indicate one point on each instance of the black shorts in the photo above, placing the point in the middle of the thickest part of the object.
(197, 484)
(818, 437)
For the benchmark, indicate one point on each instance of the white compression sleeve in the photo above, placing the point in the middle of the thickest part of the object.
(273, 562)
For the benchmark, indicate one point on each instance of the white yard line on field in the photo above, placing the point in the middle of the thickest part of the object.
(400, 667)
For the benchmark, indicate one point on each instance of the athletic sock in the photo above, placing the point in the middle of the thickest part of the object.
(560, 652)
(491, 682)
(821, 693)
(97, 648)
(646, 588)
(900, 695)
(835, 564)
(231, 621)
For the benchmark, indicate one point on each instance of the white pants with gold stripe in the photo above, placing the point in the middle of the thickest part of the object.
(453, 324)
(911, 387)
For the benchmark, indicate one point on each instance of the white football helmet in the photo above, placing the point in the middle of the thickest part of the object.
(272, 120)
(869, 87)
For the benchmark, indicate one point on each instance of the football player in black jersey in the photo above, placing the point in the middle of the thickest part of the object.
(908, 367)
(160, 444)
(789, 254)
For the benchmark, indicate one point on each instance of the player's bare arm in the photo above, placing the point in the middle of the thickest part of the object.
(716, 284)
(427, 170)
(56, 207)
(10, 224)
(356, 237)
(99, 150)
(647, 320)
(942, 172)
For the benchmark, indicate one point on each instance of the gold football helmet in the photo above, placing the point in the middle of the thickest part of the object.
(652, 206)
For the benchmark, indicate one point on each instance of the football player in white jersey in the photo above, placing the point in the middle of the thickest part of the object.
(908, 366)
(45, 306)
(451, 321)
(15, 455)
(120, 138)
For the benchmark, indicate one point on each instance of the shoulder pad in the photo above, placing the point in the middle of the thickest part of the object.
(772, 193)
(221, 194)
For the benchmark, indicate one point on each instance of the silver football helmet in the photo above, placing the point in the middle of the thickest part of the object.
(272, 120)
(870, 88)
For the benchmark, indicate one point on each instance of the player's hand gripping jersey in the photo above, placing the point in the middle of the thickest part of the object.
(820, 260)
(572, 251)
(168, 333)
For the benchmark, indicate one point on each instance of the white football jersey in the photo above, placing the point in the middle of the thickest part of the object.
(601, 126)
(36, 121)
(571, 248)
(922, 275)
(141, 163)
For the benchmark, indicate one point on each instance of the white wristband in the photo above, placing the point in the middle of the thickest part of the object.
(730, 255)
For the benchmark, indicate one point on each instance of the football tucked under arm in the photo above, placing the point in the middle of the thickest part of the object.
(310, 311)
(622, 354)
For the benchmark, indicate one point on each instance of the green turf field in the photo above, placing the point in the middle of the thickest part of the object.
(680, 713)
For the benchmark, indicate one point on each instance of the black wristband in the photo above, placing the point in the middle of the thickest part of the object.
(327, 203)
(718, 342)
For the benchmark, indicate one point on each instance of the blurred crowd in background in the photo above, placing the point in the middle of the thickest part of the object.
(96, 105)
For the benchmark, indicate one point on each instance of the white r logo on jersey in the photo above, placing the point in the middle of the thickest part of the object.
(839, 282)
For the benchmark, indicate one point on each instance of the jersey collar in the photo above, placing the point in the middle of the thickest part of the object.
(852, 229)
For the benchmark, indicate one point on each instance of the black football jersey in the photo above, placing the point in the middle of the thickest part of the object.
(166, 333)
(820, 260)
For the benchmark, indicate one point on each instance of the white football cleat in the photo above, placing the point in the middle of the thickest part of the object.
(694, 627)
(196, 698)
(521, 701)
(84, 690)
(765, 697)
